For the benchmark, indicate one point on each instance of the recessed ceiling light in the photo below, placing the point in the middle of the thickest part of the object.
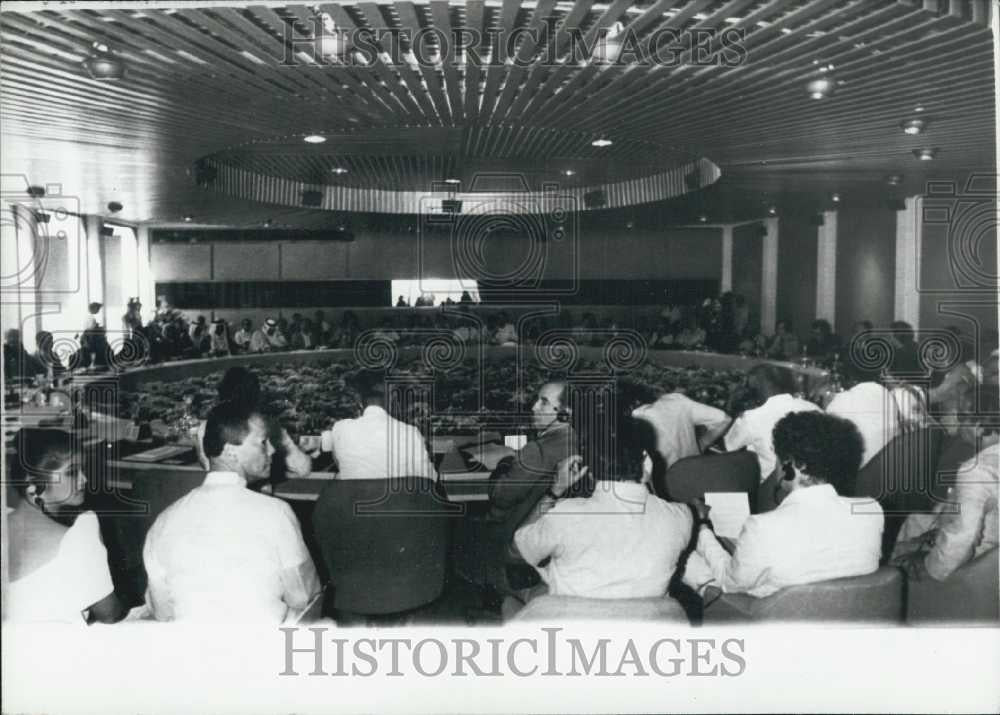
(452, 181)
(188, 218)
(703, 218)
(102, 64)
(821, 87)
(314, 139)
(772, 210)
(894, 179)
(339, 170)
(918, 108)
(913, 126)
(925, 154)
(568, 172)
(602, 142)
(835, 198)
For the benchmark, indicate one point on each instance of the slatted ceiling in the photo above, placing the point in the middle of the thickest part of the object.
(184, 108)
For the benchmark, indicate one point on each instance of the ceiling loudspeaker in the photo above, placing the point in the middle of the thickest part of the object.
(204, 173)
(451, 206)
(817, 219)
(595, 199)
(312, 199)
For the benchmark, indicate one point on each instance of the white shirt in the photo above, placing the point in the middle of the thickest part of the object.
(873, 411)
(225, 553)
(813, 535)
(377, 446)
(622, 542)
(64, 588)
(242, 338)
(674, 418)
(754, 429)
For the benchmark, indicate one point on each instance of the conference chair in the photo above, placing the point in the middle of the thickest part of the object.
(874, 598)
(903, 478)
(384, 543)
(689, 478)
(969, 595)
(567, 609)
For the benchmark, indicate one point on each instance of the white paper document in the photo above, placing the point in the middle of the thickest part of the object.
(729, 511)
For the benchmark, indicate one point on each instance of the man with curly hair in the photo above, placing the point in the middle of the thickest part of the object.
(815, 534)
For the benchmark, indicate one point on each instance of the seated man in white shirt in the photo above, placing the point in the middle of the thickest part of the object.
(814, 534)
(376, 445)
(621, 542)
(873, 411)
(753, 429)
(675, 418)
(269, 337)
(224, 552)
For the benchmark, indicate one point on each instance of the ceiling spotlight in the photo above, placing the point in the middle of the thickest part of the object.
(452, 181)
(114, 206)
(703, 218)
(630, 225)
(568, 172)
(894, 179)
(821, 87)
(188, 219)
(913, 126)
(926, 154)
(339, 170)
(267, 223)
(772, 210)
(918, 108)
(314, 139)
(102, 64)
(602, 142)
(835, 198)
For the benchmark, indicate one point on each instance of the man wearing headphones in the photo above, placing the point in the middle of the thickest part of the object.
(814, 534)
(537, 460)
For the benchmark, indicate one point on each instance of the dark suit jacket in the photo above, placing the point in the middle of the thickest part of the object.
(533, 464)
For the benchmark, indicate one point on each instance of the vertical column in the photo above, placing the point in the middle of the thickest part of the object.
(826, 268)
(726, 284)
(909, 235)
(94, 278)
(769, 277)
(146, 281)
(20, 273)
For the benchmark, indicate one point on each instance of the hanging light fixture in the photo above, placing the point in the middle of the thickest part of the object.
(913, 126)
(925, 154)
(894, 179)
(102, 64)
(601, 142)
(821, 87)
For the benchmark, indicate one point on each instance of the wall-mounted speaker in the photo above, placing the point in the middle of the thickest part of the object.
(595, 199)
(312, 199)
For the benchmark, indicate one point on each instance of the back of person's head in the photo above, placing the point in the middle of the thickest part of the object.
(771, 380)
(902, 331)
(44, 340)
(227, 423)
(43, 455)
(824, 447)
(240, 384)
(617, 454)
(370, 386)
(821, 326)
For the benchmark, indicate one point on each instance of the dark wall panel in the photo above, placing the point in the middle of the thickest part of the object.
(866, 266)
(797, 272)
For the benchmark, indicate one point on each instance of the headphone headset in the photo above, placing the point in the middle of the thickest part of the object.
(562, 416)
(788, 471)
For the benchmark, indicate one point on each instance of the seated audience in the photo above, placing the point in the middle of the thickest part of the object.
(240, 385)
(376, 445)
(872, 409)
(386, 331)
(224, 552)
(219, 340)
(517, 473)
(692, 336)
(321, 328)
(911, 403)
(18, 364)
(814, 534)
(621, 542)
(822, 343)
(856, 354)
(506, 333)
(675, 419)
(753, 429)
(964, 526)
(269, 337)
(784, 345)
(241, 340)
(58, 564)
(664, 334)
(45, 358)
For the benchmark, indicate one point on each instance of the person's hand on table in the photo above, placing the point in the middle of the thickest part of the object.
(568, 472)
(489, 455)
